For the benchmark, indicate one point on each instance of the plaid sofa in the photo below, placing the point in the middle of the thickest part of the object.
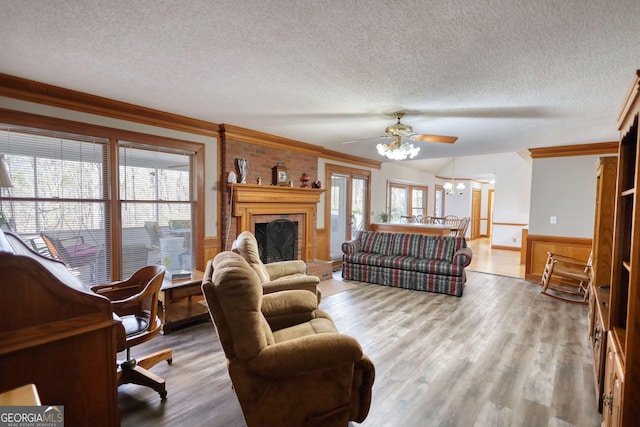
(410, 261)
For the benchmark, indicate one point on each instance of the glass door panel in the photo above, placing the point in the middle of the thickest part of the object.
(358, 205)
(339, 214)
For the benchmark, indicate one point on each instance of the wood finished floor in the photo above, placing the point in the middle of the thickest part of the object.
(495, 261)
(502, 355)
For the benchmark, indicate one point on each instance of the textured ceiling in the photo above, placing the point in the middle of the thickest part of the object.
(501, 75)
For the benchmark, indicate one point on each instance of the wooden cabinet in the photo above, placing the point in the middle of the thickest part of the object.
(613, 386)
(606, 175)
(622, 383)
(599, 319)
(606, 171)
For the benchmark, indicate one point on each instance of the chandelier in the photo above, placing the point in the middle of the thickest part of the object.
(451, 187)
(398, 150)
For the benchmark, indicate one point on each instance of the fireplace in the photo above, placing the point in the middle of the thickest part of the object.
(277, 240)
(254, 204)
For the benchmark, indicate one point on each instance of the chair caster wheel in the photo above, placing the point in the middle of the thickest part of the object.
(170, 360)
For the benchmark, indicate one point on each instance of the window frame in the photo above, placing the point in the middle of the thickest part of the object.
(409, 188)
(114, 137)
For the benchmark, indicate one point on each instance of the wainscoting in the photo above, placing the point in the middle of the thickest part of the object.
(539, 245)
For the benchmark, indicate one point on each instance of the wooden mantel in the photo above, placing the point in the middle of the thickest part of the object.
(249, 200)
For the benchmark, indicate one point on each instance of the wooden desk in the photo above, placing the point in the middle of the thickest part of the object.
(182, 302)
(57, 335)
(26, 395)
(426, 229)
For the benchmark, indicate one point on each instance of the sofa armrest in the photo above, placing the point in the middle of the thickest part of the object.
(351, 246)
(285, 268)
(307, 354)
(462, 257)
(288, 308)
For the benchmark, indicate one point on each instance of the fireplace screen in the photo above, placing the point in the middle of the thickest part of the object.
(277, 240)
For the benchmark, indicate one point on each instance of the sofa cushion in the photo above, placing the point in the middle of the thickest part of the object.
(364, 258)
(421, 265)
(378, 243)
(408, 244)
(439, 248)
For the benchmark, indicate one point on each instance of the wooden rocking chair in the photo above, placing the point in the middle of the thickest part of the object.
(566, 278)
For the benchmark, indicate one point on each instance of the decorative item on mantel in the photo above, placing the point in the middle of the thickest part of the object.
(304, 179)
(259, 181)
(316, 184)
(243, 167)
(280, 174)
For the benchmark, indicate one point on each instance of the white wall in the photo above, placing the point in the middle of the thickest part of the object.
(512, 174)
(563, 187)
(211, 146)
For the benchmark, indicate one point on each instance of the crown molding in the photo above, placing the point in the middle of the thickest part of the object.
(254, 137)
(42, 93)
(575, 150)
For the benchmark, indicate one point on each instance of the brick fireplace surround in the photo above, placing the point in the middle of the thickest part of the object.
(252, 203)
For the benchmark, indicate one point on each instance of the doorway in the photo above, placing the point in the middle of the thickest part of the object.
(476, 202)
(348, 204)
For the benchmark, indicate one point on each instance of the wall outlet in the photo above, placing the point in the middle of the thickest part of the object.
(553, 220)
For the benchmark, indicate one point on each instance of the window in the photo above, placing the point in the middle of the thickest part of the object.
(406, 200)
(63, 204)
(156, 196)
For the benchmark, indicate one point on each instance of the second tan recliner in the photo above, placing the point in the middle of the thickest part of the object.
(275, 276)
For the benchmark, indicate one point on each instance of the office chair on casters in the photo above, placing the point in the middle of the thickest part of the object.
(566, 278)
(135, 301)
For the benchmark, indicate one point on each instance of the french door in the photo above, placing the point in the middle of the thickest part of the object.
(347, 205)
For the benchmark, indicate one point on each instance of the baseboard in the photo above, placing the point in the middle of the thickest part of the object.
(506, 248)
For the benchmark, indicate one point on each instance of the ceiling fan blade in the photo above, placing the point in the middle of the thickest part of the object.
(434, 138)
(367, 139)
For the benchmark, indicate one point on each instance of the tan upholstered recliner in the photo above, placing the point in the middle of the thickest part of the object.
(288, 364)
(275, 276)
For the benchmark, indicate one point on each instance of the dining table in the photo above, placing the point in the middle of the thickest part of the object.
(416, 228)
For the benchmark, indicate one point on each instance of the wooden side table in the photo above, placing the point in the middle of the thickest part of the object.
(182, 302)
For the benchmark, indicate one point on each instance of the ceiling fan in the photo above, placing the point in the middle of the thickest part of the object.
(399, 148)
(402, 130)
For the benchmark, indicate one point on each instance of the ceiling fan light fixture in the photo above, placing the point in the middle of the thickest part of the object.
(398, 150)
